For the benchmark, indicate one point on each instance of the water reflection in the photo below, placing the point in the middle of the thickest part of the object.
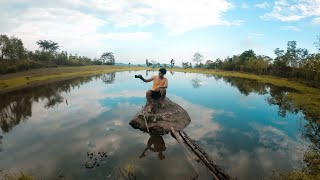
(96, 120)
(1, 143)
(196, 83)
(16, 106)
(312, 156)
(158, 146)
(277, 95)
(108, 78)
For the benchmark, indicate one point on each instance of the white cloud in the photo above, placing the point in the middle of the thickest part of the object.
(177, 16)
(128, 36)
(290, 10)
(72, 29)
(262, 5)
(292, 28)
(75, 24)
(316, 20)
(184, 15)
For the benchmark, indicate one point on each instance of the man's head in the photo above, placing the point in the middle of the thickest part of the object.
(162, 72)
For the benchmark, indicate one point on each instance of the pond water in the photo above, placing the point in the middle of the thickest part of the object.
(250, 129)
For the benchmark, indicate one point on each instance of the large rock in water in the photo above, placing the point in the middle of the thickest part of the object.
(160, 120)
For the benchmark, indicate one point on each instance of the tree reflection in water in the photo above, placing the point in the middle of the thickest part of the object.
(16, 106)
(279, 96)
(196, 83)
(108, 78)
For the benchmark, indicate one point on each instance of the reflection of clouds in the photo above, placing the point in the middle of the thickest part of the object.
(279, 121)
(273, 138)
(225, 113)
(129, 109)
(245, 100)
(60, 136)
(201, 119)
(80, 109)
(126, 94)
(278, 152)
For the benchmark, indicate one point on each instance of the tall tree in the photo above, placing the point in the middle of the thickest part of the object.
(4, 42)
(15, 48)
(107, 58)
(247, 55)
(48, 45)
(197, 57)
(317, 43)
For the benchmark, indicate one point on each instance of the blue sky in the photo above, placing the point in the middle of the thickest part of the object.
(161, 30)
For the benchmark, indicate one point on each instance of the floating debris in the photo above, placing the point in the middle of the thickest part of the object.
(94, 159)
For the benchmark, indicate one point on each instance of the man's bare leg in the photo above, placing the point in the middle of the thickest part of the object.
(149, 103)
(163, 93)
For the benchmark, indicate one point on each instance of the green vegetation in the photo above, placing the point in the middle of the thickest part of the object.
(294, 63)
(14, 57)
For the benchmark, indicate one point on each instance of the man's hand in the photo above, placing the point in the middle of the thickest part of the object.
(139, 76)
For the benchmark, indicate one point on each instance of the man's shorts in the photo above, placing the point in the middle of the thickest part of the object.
(155, 94)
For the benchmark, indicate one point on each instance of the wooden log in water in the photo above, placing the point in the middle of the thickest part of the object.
(216, 171)
(186, 151)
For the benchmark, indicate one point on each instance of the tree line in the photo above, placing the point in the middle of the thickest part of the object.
(15, 57)
(293, 63)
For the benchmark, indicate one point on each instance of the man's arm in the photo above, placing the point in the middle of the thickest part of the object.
(148, 80)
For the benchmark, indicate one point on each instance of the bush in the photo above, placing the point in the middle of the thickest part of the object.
(9, 66)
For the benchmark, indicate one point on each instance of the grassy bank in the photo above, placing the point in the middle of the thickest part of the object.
(10, 82)
(307, 98)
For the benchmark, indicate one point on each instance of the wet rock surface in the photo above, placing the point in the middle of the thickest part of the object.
(160, 120)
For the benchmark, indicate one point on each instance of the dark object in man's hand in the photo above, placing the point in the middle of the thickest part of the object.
(139, 76)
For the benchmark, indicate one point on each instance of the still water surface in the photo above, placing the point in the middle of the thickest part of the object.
(250, 129)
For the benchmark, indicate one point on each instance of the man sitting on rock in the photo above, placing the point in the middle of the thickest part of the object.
(158, 90)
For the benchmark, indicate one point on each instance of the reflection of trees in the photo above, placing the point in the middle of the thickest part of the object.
(147, 73)
(17, 106)
(246, 86)
(311, 131)
(196, 83)
(108, 78)
(278, 95)
(14, 112)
